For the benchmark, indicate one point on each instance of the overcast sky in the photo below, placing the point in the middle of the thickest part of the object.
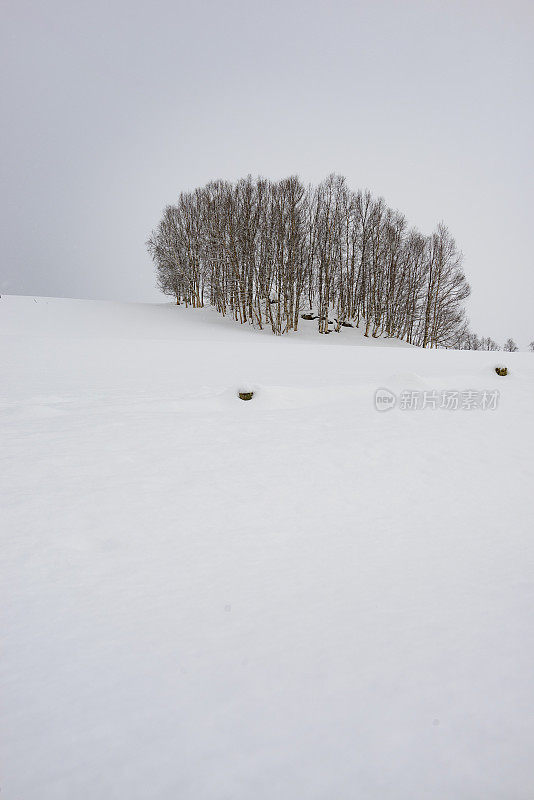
(110, 109)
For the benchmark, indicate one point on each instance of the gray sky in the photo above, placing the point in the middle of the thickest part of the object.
(110, 109)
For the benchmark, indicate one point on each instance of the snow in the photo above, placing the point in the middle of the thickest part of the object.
(292, 597)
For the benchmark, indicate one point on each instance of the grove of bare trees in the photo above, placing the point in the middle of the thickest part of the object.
(268, 252)
(470, 341)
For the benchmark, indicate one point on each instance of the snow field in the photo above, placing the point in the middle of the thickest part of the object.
(296, 596)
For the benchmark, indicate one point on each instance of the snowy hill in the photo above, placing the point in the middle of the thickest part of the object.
(293, 597)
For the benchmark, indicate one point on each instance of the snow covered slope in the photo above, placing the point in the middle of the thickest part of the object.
(293, 597)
